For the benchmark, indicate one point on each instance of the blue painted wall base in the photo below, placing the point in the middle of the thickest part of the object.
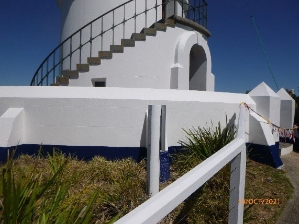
(164, 167)
(265, 154)
(81, 152)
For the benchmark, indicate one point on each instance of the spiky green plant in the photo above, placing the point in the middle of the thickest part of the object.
(209, 203)
(23, 197)
(203, 142)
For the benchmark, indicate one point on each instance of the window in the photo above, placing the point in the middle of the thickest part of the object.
(100, 82)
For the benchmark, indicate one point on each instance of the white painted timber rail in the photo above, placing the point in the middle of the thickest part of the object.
(162, 203)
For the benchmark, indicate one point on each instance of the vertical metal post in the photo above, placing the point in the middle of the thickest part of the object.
(41, 75)
(145, 13)
(183, 10)
(174, 7)
(47, 75)
(54, 67)
(90, 40)
(102, 36)
(61, 59)
(153, 152)
(135, 17)
(80, 55)
(71, 40)
(113, 27)
(156, 10)
(124, 27)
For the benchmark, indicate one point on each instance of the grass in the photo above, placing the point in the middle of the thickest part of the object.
(61, 189)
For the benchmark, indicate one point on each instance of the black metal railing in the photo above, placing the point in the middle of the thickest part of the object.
(72, 48)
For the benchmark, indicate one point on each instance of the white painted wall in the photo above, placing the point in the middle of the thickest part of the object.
(76, 14)
(113, 116)
(267, 104)
(11, 126)
(160, 62)
(287, 109)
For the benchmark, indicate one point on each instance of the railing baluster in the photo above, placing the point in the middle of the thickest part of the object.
(113, 27)
(124, 21)
(41, 74)
(90, 40)
(145, 15)
(80, 50)
(61, 67)
(102, 34)
(47, 80)
(54, 67)
(183, 9)
(71, 52)
(156, 6)
(135, 17)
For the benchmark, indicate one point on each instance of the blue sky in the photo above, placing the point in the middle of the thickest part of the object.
(30, 29)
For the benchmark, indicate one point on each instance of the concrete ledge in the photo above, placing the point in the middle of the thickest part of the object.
(194, 25)
(285, 148)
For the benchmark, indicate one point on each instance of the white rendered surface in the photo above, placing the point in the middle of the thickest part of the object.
(267, 104)
(160, 62)
(83, 116)
(287, 109)
(11, 126)
(76, 14)
(259, 131)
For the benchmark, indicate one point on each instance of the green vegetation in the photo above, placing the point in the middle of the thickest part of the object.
(60, 189)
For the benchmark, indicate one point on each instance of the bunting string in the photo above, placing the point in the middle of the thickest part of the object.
(283, 132)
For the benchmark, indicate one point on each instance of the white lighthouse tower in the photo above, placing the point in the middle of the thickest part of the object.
(159, 44)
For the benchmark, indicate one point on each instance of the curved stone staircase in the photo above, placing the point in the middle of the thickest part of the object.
(95, 61)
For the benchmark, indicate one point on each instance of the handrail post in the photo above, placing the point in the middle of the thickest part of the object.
(237, 176)
(237, 188)
(153, 152)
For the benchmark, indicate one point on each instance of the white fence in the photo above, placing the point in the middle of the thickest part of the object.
(162, 203)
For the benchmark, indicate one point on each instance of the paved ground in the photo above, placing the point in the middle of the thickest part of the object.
(291, 213)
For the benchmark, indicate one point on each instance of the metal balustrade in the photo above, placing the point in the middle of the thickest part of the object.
(63, 56)
(162, 203)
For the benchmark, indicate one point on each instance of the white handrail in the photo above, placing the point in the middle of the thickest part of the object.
(161, 204)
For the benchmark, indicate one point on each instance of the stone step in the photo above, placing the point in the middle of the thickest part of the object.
(128, 42)
(117, 48)
(149, 31)
(54, 84)
(138, 36)
(169, 22)
(72, 74)
(105, 54)
(160, 26)
(94, 60)
(82, 67)
(62, 80)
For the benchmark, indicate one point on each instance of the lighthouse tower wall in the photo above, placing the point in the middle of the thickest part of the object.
(78, 13)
